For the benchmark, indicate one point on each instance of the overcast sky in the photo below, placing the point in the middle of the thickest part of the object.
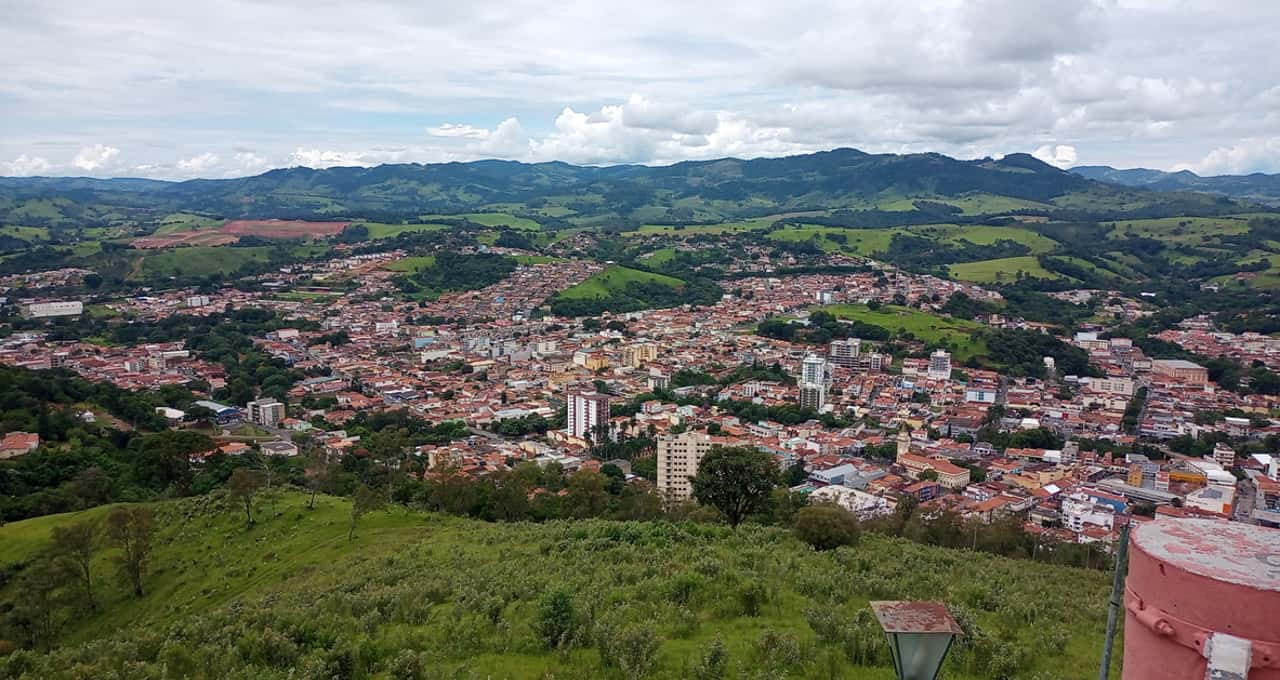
(221, 88)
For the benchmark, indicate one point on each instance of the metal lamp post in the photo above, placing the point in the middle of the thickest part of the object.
(919, 634)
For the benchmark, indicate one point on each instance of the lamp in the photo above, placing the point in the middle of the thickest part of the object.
(919, 634)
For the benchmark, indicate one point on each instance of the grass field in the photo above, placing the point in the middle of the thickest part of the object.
(26, 233)
(491, 220)
(960, 334)
(614, 279)
(536, 259)
(722, 228)
(1001, 270)
(206, 260)
(1188, 230)
(412, 264)
(179, 222)
(384, 230)
(291, 597)
(987, 235)
(864, 242)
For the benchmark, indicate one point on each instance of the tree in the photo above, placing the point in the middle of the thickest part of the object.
(72, 552)
(826, 526)
(133, 531)
(92, 486)
(243, 485)
(929, 476)
(588, 493)
(556, 618)
(365, 501)
(735, 480)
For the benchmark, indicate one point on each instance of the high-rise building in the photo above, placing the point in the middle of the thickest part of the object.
(678, 458)
(813, 396)
(636, 355)
(940, 365)
(845, 352)
(813, 370)
(588, 413)
(266, 412)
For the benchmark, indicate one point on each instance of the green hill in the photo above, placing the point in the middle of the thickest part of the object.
(430, 596)
(614, 280)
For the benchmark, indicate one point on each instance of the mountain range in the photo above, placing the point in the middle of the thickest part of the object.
(1256, 187)
(694, 191)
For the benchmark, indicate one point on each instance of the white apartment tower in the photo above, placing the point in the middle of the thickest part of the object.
(678, 458)
(940, 365)
(588, 413)
(813, 370)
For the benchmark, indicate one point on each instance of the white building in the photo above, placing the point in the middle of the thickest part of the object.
(845, 352)
(266, 412)
(814, 379)
(678, 459)
(940, 365)
(588, 413)
(1079, 511)
(44, 310)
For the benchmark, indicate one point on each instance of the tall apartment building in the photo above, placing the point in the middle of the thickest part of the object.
(845, 352)
(678, 458)
(940, 365)
(266, 412)
(588, 413)
(813, 396)
(814, 378)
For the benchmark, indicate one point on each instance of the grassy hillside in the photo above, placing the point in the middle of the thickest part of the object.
(961, 334)
(614, 279)
(427, 596)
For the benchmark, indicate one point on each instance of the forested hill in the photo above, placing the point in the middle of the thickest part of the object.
(684, 192)
(1257, 187)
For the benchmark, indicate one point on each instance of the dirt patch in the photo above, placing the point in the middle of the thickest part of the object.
(184, 238)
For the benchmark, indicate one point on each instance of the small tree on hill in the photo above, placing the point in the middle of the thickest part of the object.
(365, 501)
(735, 480)
(826, 526)
(72, 551)
(243, 485)
(133, 531)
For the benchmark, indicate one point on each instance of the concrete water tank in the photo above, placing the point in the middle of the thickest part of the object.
(1202, 601)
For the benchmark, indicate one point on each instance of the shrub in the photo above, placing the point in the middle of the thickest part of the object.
(778, 651)
(826, 527)
(712, 663)
(407, 665)
(556, 618)
(752, 596)
(635, 650)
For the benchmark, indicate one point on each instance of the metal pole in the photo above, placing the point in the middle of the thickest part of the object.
(1117, 598)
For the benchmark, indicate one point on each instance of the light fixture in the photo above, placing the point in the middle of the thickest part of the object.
(919, 634)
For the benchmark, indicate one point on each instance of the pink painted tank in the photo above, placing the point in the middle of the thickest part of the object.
(1202, 601)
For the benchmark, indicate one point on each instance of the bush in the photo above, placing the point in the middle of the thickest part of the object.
(556, 618)
(635, 650)
(826, 527)
(712, 663)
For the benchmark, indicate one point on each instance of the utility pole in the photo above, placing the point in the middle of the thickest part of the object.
(1117, 599)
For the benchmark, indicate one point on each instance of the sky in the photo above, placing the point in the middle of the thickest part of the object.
(225, 88)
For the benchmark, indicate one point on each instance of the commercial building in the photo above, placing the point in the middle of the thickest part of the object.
(266, 412)
(1180, 370)
(588, 413)
(678, 459)
(44, 310)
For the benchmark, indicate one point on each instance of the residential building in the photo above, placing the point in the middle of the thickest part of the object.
(845, 352)
(678, 459)
(588, 413)
(1224, 455)
(940, 365)
(15, 444)
(636, 355)
(266, 412)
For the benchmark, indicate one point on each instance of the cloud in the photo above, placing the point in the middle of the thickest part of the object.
(1257, 154)
(248, 162)
(1061, 155)
(25, 166)
(200, 163)
(94, 157)
(458, 130)
(1140, 82)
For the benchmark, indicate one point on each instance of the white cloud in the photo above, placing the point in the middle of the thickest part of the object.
(1150, 82)
(1061, 155)
(248, 162)
(94, 157)
(25, 166)
(198, 164)
(1257, 154)
(458, 130)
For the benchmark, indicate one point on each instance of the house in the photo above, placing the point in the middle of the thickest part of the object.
(16, 444)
